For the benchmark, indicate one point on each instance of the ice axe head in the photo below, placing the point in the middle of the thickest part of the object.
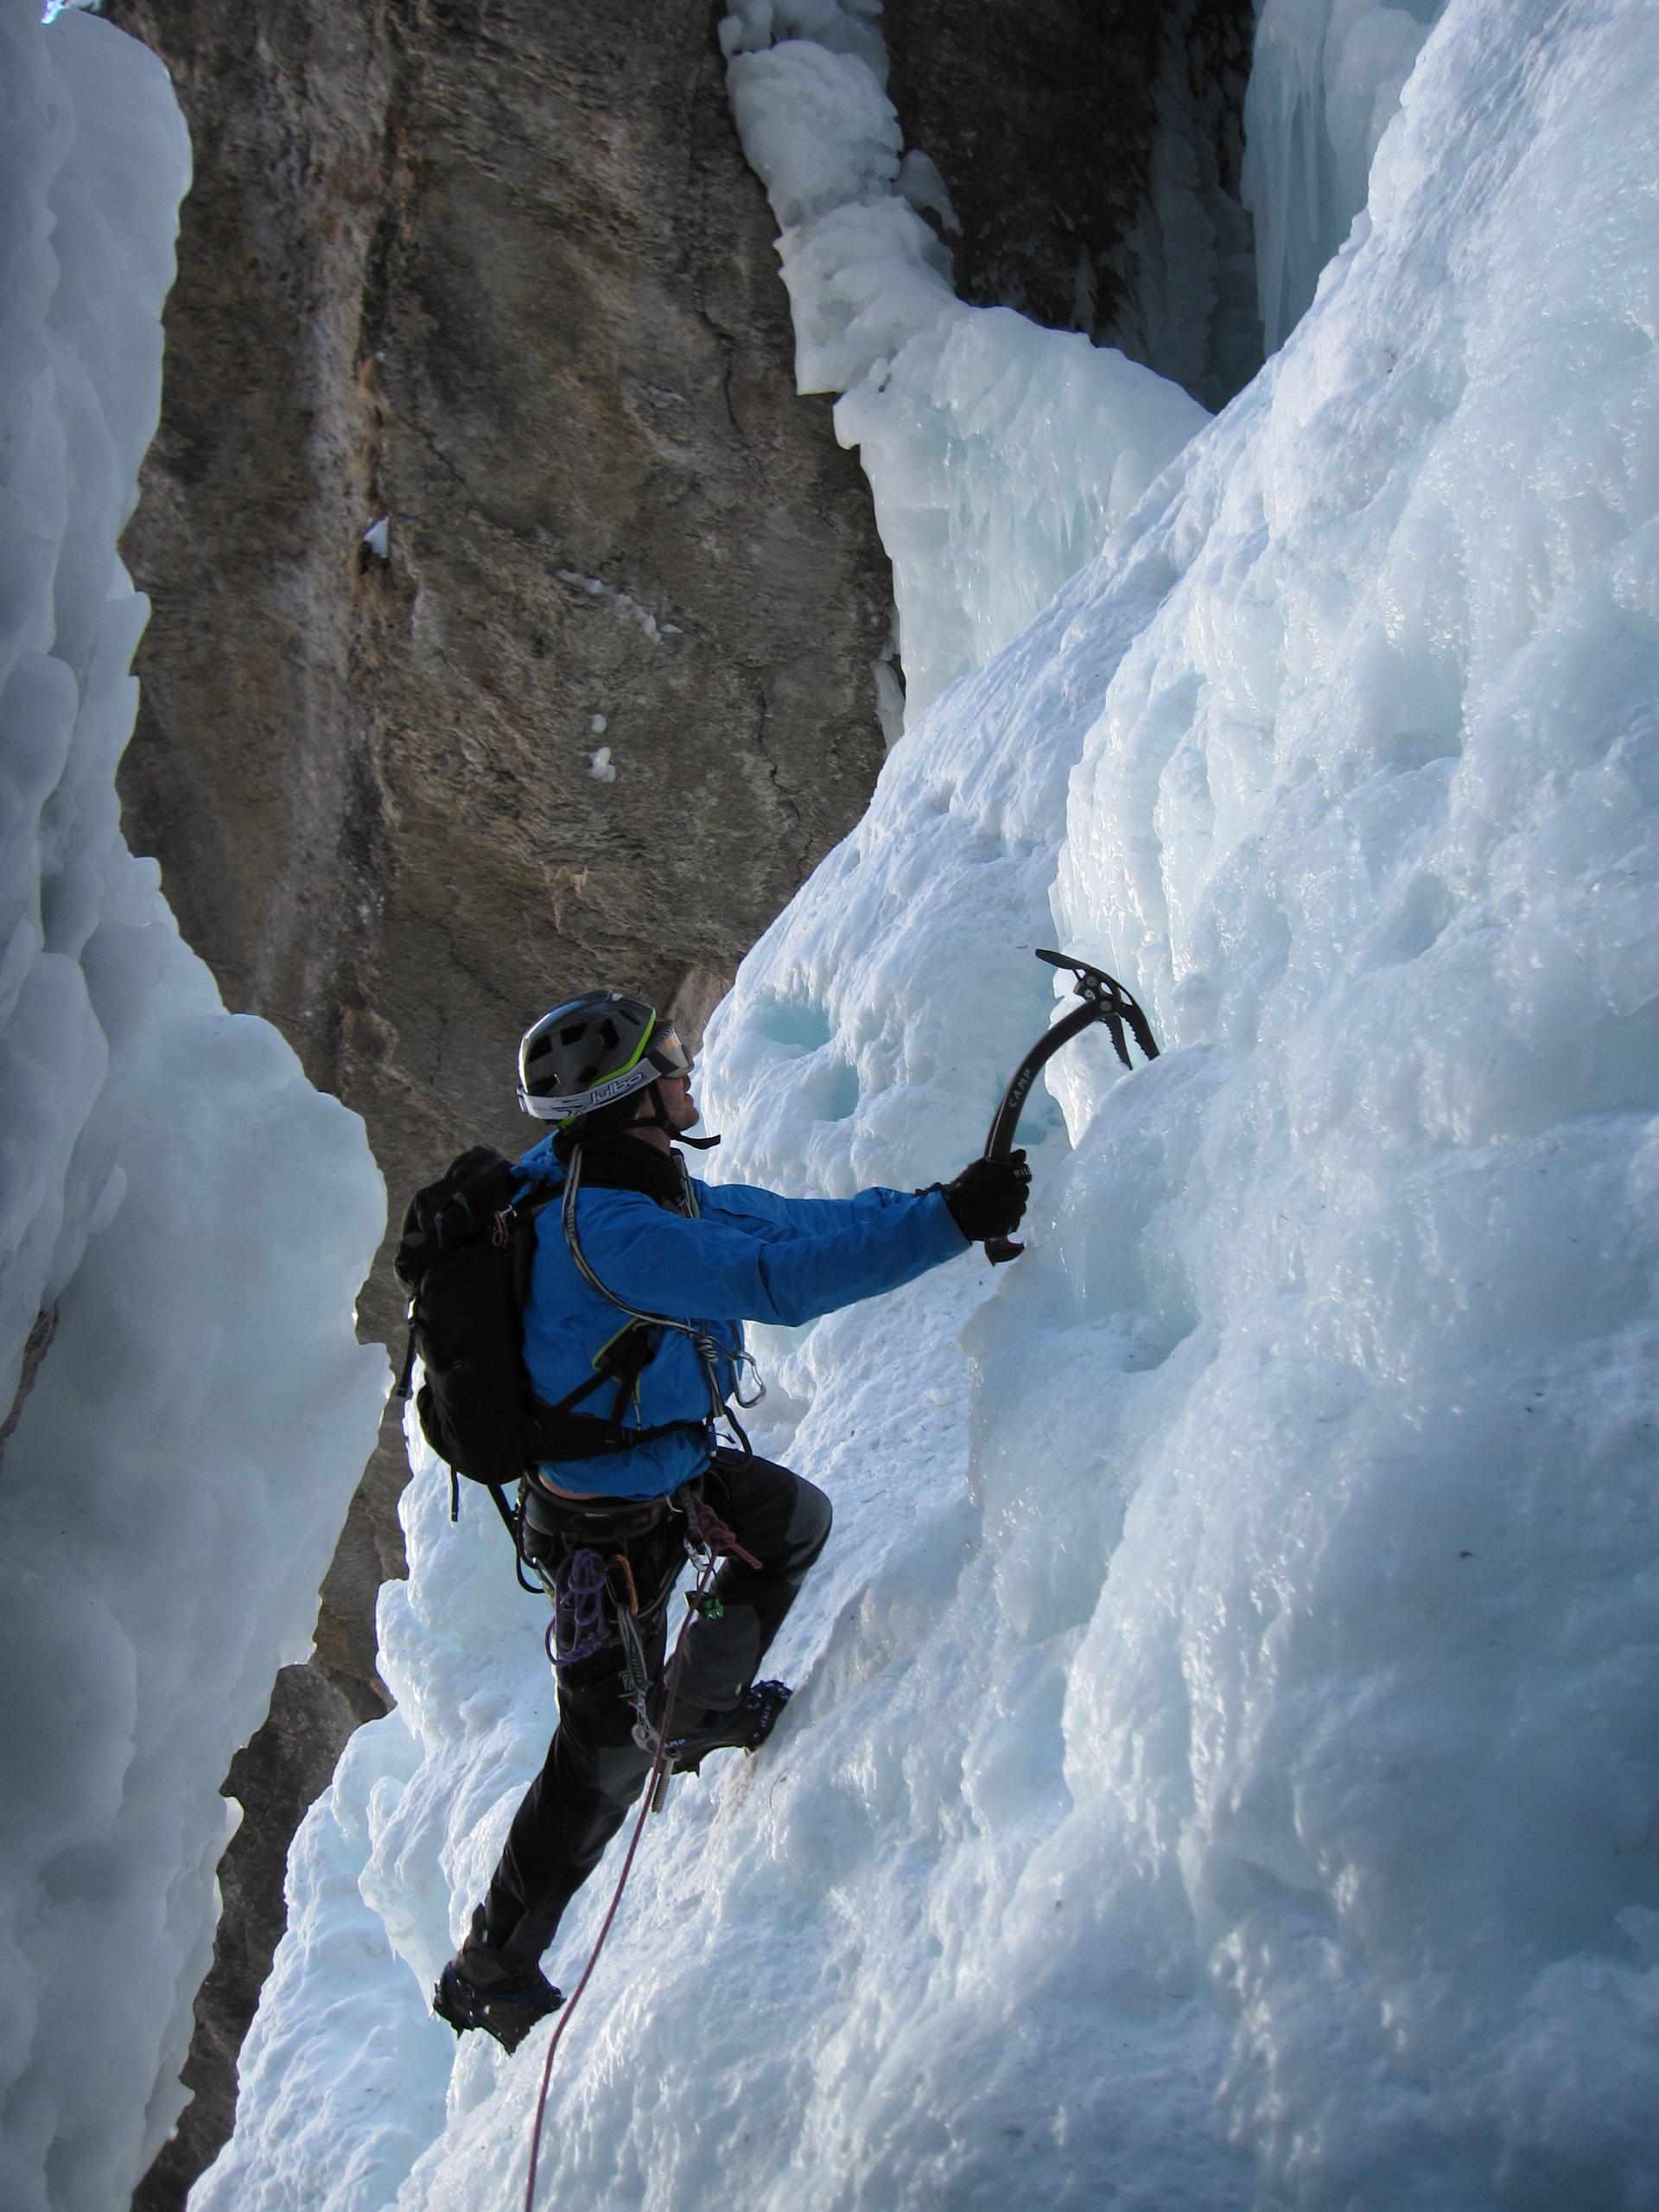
(1110, 1002)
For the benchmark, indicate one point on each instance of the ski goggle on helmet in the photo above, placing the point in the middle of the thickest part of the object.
(592, 1050)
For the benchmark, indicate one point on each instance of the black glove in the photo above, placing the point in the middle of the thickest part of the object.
(988, 1197)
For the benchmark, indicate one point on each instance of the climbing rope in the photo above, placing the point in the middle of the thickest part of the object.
(577, 1628)
(709, 1351)
(709, 1539)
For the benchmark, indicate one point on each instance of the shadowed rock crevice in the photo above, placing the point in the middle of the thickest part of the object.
(1091, 159)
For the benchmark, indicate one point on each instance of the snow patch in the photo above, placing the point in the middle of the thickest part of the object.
(624, 602)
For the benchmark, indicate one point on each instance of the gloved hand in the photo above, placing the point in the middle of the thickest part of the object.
(988, 1197)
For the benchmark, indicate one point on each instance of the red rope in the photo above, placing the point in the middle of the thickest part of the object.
(705, 1574)
(718, 1539)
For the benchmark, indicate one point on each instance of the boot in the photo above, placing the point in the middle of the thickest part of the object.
(744, 1727)
(482, 1988)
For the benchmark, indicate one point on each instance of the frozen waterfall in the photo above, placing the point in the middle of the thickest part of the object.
(1221, 1777)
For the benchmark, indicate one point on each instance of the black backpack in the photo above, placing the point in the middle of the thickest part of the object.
(465, 1259)
(465, 1256)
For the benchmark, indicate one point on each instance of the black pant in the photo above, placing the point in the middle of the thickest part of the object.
(594, 1770)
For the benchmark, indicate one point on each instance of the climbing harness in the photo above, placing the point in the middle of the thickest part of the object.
(589, 1572)
(1104, 1001)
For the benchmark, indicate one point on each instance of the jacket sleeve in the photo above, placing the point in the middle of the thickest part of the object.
(731, 1265)
(772, 1215)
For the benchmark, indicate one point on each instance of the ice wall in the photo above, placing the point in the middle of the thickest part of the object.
(183, 1222)
(998, 454)
(1325, 80)
(1221, 1775)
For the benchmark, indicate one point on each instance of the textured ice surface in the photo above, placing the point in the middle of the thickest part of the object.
(1222, 1777)
(356, 2098)
(174, 1196)
(1326, 80)
(998, 454)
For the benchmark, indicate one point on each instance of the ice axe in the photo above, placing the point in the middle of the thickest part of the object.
(1104, 999)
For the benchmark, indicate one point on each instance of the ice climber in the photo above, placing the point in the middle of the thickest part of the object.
(641, 1281)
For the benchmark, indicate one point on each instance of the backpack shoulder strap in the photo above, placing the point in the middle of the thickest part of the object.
(527, 1209)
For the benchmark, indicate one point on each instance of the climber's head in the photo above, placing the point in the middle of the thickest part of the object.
(606, 1061)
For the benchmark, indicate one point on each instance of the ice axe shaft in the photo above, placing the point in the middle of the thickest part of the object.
(1103, 1000)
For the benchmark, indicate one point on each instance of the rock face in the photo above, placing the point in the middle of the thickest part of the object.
(514, 620)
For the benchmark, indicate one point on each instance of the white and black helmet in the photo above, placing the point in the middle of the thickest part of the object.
(593, 1050)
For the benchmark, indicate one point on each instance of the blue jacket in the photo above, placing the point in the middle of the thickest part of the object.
(749, 1256)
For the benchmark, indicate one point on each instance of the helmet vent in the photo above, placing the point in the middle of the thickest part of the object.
(585, 1053)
